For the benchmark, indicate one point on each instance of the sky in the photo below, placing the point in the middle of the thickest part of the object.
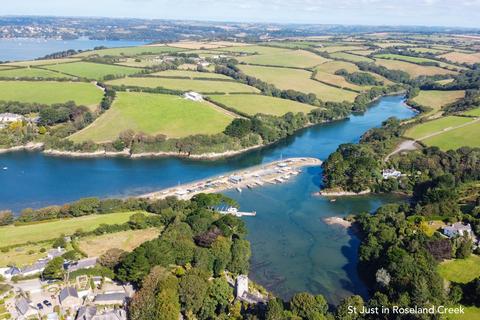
(463, 13)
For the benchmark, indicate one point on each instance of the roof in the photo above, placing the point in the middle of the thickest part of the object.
(13, 271)
(67, 292)
(83, 264)
(86, 313)
(114, 296)
(22, 305)
(458, 226)
(38, 266)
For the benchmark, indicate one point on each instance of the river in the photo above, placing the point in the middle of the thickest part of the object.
(292, 248)
(31, 48)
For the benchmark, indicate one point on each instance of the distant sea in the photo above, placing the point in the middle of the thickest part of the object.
(31, 48)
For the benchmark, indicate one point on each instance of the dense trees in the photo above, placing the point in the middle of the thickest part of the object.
(54, 269)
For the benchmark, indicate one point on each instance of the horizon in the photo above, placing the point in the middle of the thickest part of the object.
(427, 13)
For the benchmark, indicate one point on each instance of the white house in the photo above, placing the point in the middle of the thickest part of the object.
(91, 313)
(194, 96)
(458, 229)
(10, 117)
(24, 308)
(391, 173)
(241, 285)
(35, 268)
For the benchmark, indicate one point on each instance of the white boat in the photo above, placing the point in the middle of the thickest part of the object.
(239, 190)
(5, 168)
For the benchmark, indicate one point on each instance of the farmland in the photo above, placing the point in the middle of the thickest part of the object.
(415, 60)
(90, 70)
(130, 51)
(12, 235)
(284, 78)
(474, 112)
(36, 63)
(260, 50)
(432, 127)
(414, 70)
(203, 86)
(350, 57)
(436, 99)
(49, 92)
(95, 246)
(460, 57)
(190, 74)
(170, 115)
(252, 104)
(460, 270)
(297, 59)
(32, 73)
(453, 139)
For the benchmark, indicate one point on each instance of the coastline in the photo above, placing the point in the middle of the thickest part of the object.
(31, 146)
(341, 193)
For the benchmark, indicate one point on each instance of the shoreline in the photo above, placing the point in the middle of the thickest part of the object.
(341, 193)
(31, 146)
(338, 221)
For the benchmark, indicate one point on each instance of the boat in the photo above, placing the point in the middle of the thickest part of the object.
(5, 168)
(333, 200)
(239, 190)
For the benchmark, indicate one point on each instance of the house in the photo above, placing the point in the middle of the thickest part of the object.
(69, 298)
(110, 299)
(91, 313)
(11, 272)
(194, 96)
(35, 268)
(458, 230)
(24, 308)
(235, 179)
(391, 173)
(10, 117)
(53, 253)
(242, 292)
(87, 263)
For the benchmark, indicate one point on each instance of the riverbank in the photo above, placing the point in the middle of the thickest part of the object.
(338, 221)
(276, 172)
(31, 146)
(341, 193)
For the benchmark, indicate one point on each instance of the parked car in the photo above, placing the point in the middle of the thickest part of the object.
(47, 303)
(39, 306)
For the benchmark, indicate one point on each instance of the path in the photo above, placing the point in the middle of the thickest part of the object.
(224, 111)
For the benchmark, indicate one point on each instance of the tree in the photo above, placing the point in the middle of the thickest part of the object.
(193, 289)
(6, 217)
(112, 257)
(239, 128)
(54, 269)
(464, 248)
(308, 306)
(60, 242)
(275, 309)
(221, 252)
(135, 266)
(240, 256)
(343, 312)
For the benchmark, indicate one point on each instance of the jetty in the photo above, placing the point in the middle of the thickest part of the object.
(275, 172)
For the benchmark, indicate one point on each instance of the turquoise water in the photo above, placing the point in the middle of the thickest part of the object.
(293, 249)
(28, 48)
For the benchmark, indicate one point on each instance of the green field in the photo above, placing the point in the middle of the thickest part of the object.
(454, 139)
(291, 44)
(191, 74)
(34, 63)
(415, 60)
(474, 112)
(252, 104)
(414, 70)
(350, 57)
(284, 78)
(32, 73)
(437, 99)
(253, 50)
(460, 270)
(91, 70)
(130, 51)
(296, 58)
(332, 49)
(471, 313)
(202, 86)
(11, 235)
(49, 92)
(434, 126)
(170, 115)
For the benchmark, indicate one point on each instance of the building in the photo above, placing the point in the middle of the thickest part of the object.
(458, 230)
(391, 173)
(91, 313)
(241, 286)
(87, 263)
(35, 268)
(10, 117)
(235, 179)
(24, 308)
(194, 96)
(69, 298)
(11, 272)
(110, 299)
(53, 253)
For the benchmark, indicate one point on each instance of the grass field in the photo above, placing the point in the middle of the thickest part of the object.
(202, 86)
(460, 270)
(350, 57)
(191, 74)
(332, 66)
(23, 256)
(130, 51)
(335, 65)
(49, 92)
(416, 60)
(284, 78)
(291, 58)
(332, 49)
(414, 70)
(461, 57)
(438, 125)
(171, 115)
(11, 235)
(445, 81)
(145, 62)
(32, 73)
(427, 50)
(454, 139)
(91, 70)
(474, 112)
(471, 313)
(338, 81)
(95, 246)
(291, 44)
(263, 50)
(252, 104)
(436, 99)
